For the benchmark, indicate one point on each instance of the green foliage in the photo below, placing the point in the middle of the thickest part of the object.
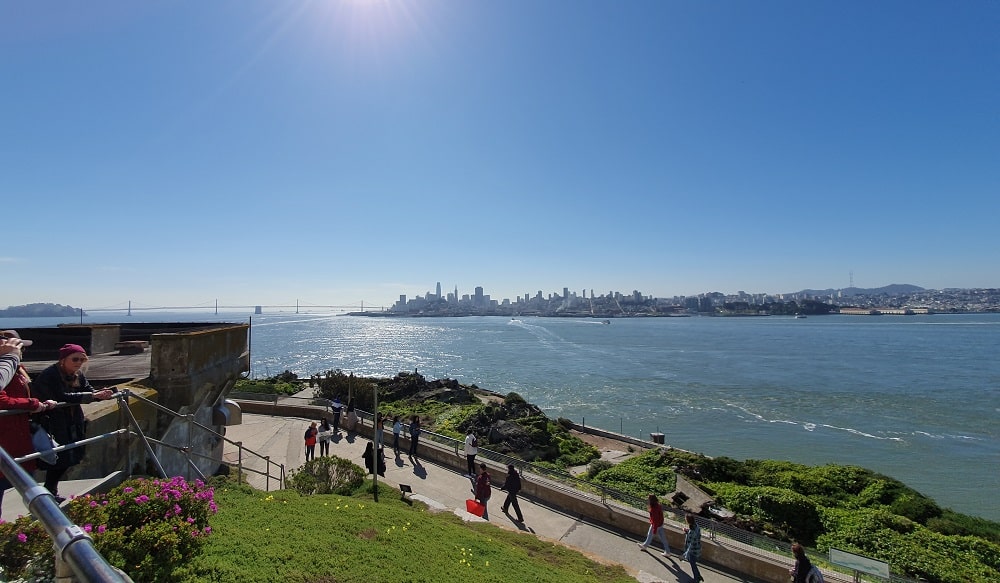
(147, 528)
(573, 451)
(598, 466)
(21, 542)
(788, 514)
(282, 384)
(644, 474)
(953, 523)
(326, 475)
(514, 399)
(911, 548)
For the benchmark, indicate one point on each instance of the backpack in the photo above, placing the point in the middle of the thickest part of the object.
(814, 575)
(475, 441)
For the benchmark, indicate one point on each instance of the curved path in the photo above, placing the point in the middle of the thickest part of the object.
(281, 438)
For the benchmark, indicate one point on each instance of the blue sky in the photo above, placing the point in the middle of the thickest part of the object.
(333, 152)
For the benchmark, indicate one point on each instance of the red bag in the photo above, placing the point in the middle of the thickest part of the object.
(474, 507)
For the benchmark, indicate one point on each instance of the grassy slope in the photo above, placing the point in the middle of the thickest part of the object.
(283, 536)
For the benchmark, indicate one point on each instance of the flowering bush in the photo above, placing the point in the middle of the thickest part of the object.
(145, 527)
(21, 542)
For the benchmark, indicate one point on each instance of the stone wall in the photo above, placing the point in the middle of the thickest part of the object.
(192, 372)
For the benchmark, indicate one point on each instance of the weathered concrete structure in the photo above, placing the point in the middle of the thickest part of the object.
(191, 367)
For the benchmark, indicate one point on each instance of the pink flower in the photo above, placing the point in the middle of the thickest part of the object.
(22, 537)
(88, 528)
(101, 529)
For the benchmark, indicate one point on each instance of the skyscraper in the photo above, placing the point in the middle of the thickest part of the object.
(439, 290)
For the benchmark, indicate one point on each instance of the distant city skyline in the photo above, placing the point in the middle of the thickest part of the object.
(345, 152)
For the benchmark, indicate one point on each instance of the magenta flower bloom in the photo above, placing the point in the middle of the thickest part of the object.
(22, 537)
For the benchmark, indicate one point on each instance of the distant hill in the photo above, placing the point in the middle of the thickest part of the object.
(891, 290)
(39, 311)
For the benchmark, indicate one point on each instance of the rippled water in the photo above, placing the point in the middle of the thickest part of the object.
(916, 397)
(913, 397)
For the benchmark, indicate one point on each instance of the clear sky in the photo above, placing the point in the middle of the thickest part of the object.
(334, 152)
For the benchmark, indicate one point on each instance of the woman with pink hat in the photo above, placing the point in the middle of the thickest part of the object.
(15, 434)
(65, 382)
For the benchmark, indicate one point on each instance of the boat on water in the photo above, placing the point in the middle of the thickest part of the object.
(799, 316)
(605, 321)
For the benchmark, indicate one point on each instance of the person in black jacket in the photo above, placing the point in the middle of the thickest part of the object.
(65, 382)
(512, 485)
(803, 565)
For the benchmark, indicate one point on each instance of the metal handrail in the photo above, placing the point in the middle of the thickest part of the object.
(74, 547)
(72, 544)
(187, 451)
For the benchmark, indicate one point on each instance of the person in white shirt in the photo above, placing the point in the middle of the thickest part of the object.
(471, 449)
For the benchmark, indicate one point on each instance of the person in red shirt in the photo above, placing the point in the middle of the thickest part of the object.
(15, 394)
(310, 438)
(656, 525)
(483, 489)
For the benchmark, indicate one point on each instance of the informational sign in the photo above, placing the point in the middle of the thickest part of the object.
(859, 563)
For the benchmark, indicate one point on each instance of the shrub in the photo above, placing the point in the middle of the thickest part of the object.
(791, 514)
(514, 399)
(326, 475)
(21, 542)
(598, 466)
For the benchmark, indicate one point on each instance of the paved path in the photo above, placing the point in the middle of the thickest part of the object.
(281, 438)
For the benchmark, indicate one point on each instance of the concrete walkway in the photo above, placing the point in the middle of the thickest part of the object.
(281, 438)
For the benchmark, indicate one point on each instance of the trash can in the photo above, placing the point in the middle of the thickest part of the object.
(657, 438)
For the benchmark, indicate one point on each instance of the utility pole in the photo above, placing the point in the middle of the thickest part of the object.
(377, 455)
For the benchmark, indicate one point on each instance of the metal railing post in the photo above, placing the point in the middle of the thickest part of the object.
(239, 461)
(187, 453)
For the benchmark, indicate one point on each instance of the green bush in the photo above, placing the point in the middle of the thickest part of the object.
(147, 527)
(326, 475)
(787, 513)
(642, 475)
(270, 386)
(21, 542)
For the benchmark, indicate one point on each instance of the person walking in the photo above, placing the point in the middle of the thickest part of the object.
(397, 428)
(337, 406)
(414, 436)
(310, 438)
(65, 382)
(483, 489)
(692, 546)
(471, 449)
(324, 437)
(800, 572)
(655, 525)
(512, 485)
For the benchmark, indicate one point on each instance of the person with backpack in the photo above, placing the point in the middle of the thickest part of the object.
(471, 449)
(804, 571)
(692, 546)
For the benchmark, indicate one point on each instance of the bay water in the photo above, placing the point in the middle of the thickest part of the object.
(913, 397)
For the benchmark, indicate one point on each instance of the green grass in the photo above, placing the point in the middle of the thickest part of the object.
(284, 536)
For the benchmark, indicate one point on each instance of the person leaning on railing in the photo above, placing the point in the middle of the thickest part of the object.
(15, 433)
(65, 382)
